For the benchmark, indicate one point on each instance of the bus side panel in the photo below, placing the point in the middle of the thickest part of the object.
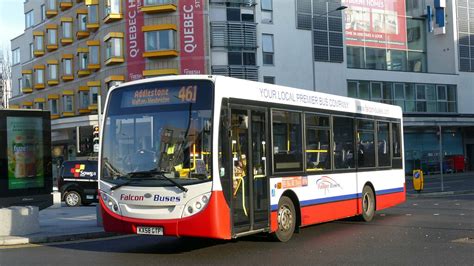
(384, 201)
(328, 212)
(213, 221)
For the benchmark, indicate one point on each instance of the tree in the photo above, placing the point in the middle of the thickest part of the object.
(5, 76)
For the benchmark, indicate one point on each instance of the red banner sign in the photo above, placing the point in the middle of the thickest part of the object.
(376, 23)
(135, 43)
(192, 53)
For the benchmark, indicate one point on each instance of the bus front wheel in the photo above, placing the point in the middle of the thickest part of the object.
(368, 204)
(286, 218)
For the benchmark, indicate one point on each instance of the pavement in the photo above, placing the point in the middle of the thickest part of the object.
(62, 224)
(76, 223)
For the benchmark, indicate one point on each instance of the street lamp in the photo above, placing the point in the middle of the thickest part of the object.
(312, 34)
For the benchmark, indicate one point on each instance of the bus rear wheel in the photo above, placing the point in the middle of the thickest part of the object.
(286, 218)
(368, 204)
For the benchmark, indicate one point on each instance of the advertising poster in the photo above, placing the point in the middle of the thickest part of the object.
(191, 37)
(375, 23)
(135, 40)
(25, 152)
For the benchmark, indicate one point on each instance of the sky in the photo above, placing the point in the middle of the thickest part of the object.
(12, 20)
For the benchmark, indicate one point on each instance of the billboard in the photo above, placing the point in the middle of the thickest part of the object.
(25, 152)
(376, 23)
(135, 40)
(191, 33)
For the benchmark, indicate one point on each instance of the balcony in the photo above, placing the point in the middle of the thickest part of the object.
(241, 72)
(158, 6)
(234, 34)
(241, 2)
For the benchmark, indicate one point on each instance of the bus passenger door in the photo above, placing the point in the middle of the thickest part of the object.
(249, 146)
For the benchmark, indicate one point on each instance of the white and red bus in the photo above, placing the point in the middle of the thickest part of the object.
(218, 157)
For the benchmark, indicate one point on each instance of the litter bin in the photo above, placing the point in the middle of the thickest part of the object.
(418, 180)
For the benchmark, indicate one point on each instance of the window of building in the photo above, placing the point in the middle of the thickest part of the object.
(81, 22)
(160, 40)
(53, 75)
(39, 77)
(38, 39)
(51, 8)
(32, 50)
(431, 98)
(269, 79)
(343, 131)
(26, 84)
(68, 103)
(53, 104)
(318, 157)
(94, 54)
(84, 100)
(52, 34)
(236, 13)
(114, 48)
(93, 16)
(94, 95)
(39, 105)
(16, 56)
(66, 31)
(43, 12)
(267, 48)
(365, 143)
(241, 58)
(267, 11)
(287, 141)
(67, 67)
(29, 19)
(20, 83)
(82, 62)
(112, 10)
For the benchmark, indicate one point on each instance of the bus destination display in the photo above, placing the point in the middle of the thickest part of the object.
(159, 96)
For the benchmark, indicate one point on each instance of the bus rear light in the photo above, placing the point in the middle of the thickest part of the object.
(196, 204)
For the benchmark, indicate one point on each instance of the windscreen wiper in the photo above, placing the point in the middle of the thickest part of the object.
(129, 181)
(155, 174)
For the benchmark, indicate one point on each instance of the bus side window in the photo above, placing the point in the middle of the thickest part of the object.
(343, 130)
(287, 141)
(396, 140)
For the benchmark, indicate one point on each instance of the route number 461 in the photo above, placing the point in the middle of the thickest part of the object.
(188, 94)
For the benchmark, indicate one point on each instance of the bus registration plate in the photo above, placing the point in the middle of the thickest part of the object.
(145, 230)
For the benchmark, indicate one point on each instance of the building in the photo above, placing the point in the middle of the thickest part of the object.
(416, 54)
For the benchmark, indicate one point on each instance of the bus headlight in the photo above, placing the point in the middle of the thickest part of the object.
(196, 204)
(110, 202)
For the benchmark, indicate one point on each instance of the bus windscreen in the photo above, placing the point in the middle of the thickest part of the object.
(158, 131)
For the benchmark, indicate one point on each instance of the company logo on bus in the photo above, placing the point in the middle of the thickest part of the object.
(326, 183)
(156, 197)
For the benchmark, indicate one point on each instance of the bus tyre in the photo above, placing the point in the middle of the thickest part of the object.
(286, 218)
(368, 204)
(72, 199)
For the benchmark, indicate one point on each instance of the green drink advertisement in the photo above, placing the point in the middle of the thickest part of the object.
(25, 152)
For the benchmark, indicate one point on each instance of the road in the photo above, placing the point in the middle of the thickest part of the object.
(422, 231)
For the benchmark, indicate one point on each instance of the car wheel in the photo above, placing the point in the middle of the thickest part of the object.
(368, 204)
(72, 199)
(286, 218)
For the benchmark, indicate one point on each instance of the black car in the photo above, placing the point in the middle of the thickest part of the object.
(78, 182)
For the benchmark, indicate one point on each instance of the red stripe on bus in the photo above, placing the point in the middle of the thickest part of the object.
(213, 221)
(321, 213)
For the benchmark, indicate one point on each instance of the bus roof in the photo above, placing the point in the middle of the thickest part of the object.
(256, 91)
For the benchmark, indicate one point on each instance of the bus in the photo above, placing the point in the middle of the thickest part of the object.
(219, 157)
